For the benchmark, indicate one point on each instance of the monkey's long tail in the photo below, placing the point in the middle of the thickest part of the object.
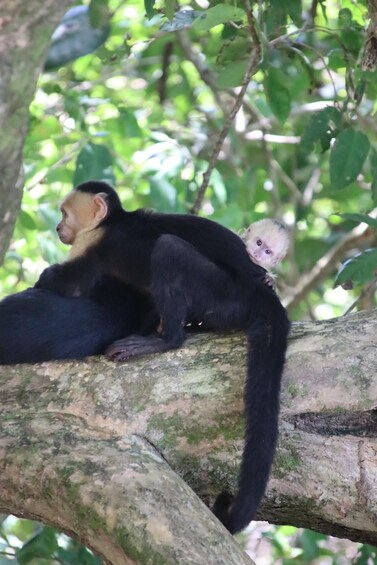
(267, 343)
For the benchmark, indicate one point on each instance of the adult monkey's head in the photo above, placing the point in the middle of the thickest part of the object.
(85, 208)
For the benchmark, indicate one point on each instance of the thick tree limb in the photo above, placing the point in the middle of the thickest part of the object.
(25, 32)
(76, 443)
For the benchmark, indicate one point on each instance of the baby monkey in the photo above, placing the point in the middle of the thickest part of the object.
(267, 243)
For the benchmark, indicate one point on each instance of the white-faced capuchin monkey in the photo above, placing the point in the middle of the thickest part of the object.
(38, 325)
(194, 269)
(267, 243)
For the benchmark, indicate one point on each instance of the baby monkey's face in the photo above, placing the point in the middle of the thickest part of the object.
(266, 243)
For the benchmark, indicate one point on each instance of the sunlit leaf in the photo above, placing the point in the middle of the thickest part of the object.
(219, 14)
(347, 157)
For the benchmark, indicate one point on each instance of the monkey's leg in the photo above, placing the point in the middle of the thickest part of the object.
(184, 285)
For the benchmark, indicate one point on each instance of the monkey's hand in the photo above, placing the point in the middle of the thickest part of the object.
(270, 280)
(53, 279)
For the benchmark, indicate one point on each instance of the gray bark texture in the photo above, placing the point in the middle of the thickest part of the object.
(25, 31)
(118, 455)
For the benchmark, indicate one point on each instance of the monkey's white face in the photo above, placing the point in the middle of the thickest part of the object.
(266, 243)
(81, 212)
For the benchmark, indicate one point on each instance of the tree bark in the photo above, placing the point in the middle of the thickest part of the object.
(108, 452)
(25, 32)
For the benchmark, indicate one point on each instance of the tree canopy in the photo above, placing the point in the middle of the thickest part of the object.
(145, 112)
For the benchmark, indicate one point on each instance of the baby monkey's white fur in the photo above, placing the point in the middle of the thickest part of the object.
(267, 243)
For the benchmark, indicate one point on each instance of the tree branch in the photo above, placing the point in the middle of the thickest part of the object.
(94, 448)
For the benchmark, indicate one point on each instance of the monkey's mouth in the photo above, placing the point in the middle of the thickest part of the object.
(253, 258)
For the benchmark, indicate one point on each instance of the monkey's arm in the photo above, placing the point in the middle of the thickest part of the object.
(73, 278)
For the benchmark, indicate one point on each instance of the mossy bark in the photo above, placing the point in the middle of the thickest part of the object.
(110, 452)
(25, 31)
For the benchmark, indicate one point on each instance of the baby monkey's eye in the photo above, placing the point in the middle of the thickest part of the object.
(268, 251)
(259, 242)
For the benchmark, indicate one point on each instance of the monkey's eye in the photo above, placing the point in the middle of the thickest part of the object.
(259, 242)
(268, 251)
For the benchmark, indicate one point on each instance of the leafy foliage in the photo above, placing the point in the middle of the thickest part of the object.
(144, 111)
(23, 542)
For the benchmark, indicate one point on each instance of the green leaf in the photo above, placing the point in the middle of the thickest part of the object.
(322, 3)
(277, 95)
(94, 162)
(337, 59)
(360, 269)
(149, 8)
(347, 157)
(42, 545)
(219, 14)
(27, 221)
(294, 10)
(169, 8)
(345, 17)
(99, 13)
(232, 75)
(359, 218)
(276, 17)
(321, 126)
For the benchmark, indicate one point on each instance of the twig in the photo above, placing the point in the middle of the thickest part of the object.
(369, 61)
(313, 12)
(308, 282)
(307, 193)
(286, 179)
(272, 173)
(251, 68)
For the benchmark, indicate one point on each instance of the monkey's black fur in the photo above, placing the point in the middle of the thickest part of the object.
(38, 325)
(196, 270)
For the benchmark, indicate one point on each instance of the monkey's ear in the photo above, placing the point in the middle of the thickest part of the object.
(101, 207)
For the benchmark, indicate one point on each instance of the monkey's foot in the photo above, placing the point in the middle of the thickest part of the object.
(135, 346)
